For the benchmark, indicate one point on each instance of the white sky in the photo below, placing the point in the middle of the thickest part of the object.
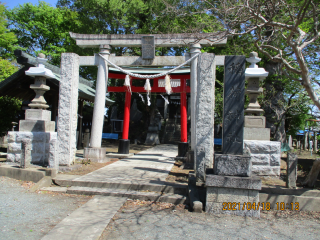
(16, 3)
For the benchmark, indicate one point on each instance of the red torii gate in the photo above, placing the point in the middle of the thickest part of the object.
(183, 89)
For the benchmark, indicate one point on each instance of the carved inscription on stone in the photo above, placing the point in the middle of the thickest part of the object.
(233, 119)
(148, 47)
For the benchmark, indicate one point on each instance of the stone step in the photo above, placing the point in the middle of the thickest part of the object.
(141, 195)
(302, 203)
(64, 180)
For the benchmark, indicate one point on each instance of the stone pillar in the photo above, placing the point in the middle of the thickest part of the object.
(80, 108)
(86, 138)
(194, 49)
(68, 106)
(100, 99)
(95, 152)
(305, 147)
(25, 153)
(52, 161)
(204, 114)
(290, 141)
(292, 162)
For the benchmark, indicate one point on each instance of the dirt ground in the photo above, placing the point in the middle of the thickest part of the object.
(85, 166)
(150, 220)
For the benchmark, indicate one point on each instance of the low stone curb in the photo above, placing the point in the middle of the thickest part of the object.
(71, 180)
(26, 174)
(147, 196)
(278, 202)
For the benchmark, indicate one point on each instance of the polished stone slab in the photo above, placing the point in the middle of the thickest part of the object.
(233, 108)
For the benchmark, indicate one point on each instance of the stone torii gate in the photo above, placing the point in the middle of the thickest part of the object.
(202, 78)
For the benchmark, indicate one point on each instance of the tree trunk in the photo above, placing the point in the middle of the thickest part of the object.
(274, 102)
(313, 174)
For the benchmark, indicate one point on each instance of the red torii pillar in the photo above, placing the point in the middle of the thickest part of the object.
(124, 143)
(183, 145)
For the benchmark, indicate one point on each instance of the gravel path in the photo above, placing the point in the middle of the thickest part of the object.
(138, 220)
(26, 215)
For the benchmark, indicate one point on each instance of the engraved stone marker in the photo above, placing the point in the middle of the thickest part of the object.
(204, 114)
(292, 161)
(25, 153)
(233, 107)
(148, 47)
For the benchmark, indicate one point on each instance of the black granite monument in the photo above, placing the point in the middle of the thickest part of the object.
(233, 105)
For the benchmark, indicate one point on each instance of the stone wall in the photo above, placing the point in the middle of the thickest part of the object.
(265, 157)
(40, 146)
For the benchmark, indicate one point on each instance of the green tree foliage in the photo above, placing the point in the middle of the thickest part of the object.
(7, 38)
(6, 69)
(9, 109)
(44, 28)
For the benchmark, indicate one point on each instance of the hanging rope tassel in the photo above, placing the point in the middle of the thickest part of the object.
(166, 100)
(167, 85)
(127, 83)
(147, 87)
(142, 99)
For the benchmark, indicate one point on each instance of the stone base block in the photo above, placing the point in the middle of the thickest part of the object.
(236, 208)
(255, 121)
(189, 164)
(262, 134)
(182, 149)
(233, 195)
(265, 157)
(253, 183)
(265, 170)
(152, 139)
(95, 154)
(124, 146)
(40, 146)
(38, 114)
(232, 165)
(36, 126)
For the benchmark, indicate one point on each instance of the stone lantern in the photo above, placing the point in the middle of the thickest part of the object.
(254, 122)
(38, 119)
(35, 143)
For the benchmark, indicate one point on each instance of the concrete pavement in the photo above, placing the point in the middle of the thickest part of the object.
(87, 222)
(129, 177)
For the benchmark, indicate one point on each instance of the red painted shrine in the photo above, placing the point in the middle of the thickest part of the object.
(158, 87)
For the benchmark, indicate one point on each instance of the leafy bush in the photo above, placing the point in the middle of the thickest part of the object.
(9, 108)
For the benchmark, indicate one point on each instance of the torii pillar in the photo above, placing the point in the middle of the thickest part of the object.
(95, 151)
(124, 143)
